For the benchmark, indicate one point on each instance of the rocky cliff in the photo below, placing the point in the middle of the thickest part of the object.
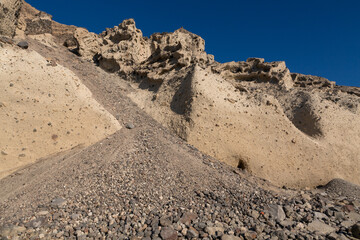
(292, 129)
(9, 13)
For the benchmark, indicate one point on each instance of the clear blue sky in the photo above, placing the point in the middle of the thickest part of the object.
(314, 37)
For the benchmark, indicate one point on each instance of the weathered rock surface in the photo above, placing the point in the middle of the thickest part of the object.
(256, 69)
(33, 22)
(9, 14)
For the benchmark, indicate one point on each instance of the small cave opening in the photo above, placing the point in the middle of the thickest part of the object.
(242, 164)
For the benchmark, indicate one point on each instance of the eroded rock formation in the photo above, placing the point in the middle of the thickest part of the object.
(289, 128)
(9, 14)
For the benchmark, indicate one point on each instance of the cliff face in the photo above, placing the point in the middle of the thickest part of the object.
(9, 13)
(292, 129)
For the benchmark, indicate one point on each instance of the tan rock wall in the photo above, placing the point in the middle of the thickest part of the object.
(9, 12)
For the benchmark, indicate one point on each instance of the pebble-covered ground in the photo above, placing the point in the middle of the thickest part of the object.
(144, 183)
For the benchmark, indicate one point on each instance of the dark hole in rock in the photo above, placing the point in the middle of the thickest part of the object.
(242, 164)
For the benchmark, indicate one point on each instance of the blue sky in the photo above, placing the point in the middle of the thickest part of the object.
(313, 37)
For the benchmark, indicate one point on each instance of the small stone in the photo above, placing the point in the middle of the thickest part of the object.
(348, 208)
(355, 230)
(188, 217)
(60, 234)
(130, 126)
(250, 235)
(213, 230)
(320, 215)
(4, 153)
(332, 236)
(58, 202)
(36, 223)
(230, 237)
(277, 212)
(42, 213)
(320, 227)
(104, 229)
(165, 221)
(287, 223)
(168, 233)
(23, 44)
(192, 233)
(356, 203)
(347, 224)
(254, 214)
(54, 137)
(339, 216)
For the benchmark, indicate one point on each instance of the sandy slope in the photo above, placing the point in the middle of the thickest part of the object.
(292, 129)
(259, 130)
(44, 109)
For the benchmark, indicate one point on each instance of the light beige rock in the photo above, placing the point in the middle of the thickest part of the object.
(88, 43)
(295, 138)
(45, 110)
(256, 69)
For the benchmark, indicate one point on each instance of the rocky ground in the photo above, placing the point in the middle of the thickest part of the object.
(145, 183)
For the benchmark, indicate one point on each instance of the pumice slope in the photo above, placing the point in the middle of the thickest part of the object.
(292, 129)
(44, 108)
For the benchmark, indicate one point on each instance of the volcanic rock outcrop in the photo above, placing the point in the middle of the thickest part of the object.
(38, 24)
(292, 129)
(9, 13)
